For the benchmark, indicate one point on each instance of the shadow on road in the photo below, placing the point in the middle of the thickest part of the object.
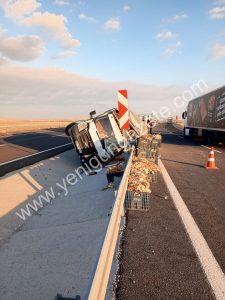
(36, 140)
(60, 130)
(183, 163)
(175, 140)
(20, 187)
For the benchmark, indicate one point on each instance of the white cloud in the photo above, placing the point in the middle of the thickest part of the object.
(166, 35)
(219, 2)
(21, 48)
(126, 8)
(3, 61)
(61, 2)
(2, 30)
(176, 18)
(86, 18)
(54, 26)
(113, 23)
(218, 51)
(64, 54)
(19, 8)
(170, 51)
(217, 12)
(56, 93)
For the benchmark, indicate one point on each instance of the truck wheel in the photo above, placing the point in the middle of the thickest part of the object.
(68, 127)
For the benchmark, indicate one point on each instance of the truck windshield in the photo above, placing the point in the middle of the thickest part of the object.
(105, 130)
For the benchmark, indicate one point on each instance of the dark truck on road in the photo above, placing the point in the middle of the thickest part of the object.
(205, 117)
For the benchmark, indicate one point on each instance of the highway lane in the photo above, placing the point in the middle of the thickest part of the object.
(202, 190)
(177, 129)
(19, 150)
(169, 128)
(158, 259)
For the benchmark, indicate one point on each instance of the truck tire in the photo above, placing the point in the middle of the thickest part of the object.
(68, 127)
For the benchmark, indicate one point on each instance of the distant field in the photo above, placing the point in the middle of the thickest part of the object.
(13, 126)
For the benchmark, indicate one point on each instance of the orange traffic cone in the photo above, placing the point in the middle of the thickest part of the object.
(211, 160)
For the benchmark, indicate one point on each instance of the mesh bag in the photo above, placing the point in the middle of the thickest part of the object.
(137, 201)
(153, 176)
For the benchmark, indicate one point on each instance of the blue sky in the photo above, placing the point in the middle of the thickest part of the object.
(148, 44)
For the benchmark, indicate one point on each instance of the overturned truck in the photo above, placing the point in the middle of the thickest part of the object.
(101, 136)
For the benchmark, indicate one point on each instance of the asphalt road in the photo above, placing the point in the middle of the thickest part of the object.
(19, 150)
(202, 190)
(158, 260)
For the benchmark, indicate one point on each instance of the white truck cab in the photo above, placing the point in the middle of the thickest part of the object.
(101, 136)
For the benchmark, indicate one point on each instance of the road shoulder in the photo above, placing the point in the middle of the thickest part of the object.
(158, 260)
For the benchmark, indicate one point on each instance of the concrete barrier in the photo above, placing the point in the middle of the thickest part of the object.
(18, 188)
(56, 249)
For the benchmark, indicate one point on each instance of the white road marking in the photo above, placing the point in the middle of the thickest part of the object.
(210, 148)
(30, 155)
(180, 137)
(55, 136)
(213, 272)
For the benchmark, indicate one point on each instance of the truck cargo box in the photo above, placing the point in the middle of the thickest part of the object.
(208, 110)
(205, 117)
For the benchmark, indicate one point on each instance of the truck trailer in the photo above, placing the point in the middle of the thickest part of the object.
(205, 117)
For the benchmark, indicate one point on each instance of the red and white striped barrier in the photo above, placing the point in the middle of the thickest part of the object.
(123, 109)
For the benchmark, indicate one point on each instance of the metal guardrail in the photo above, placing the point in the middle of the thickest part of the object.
(101, 277)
